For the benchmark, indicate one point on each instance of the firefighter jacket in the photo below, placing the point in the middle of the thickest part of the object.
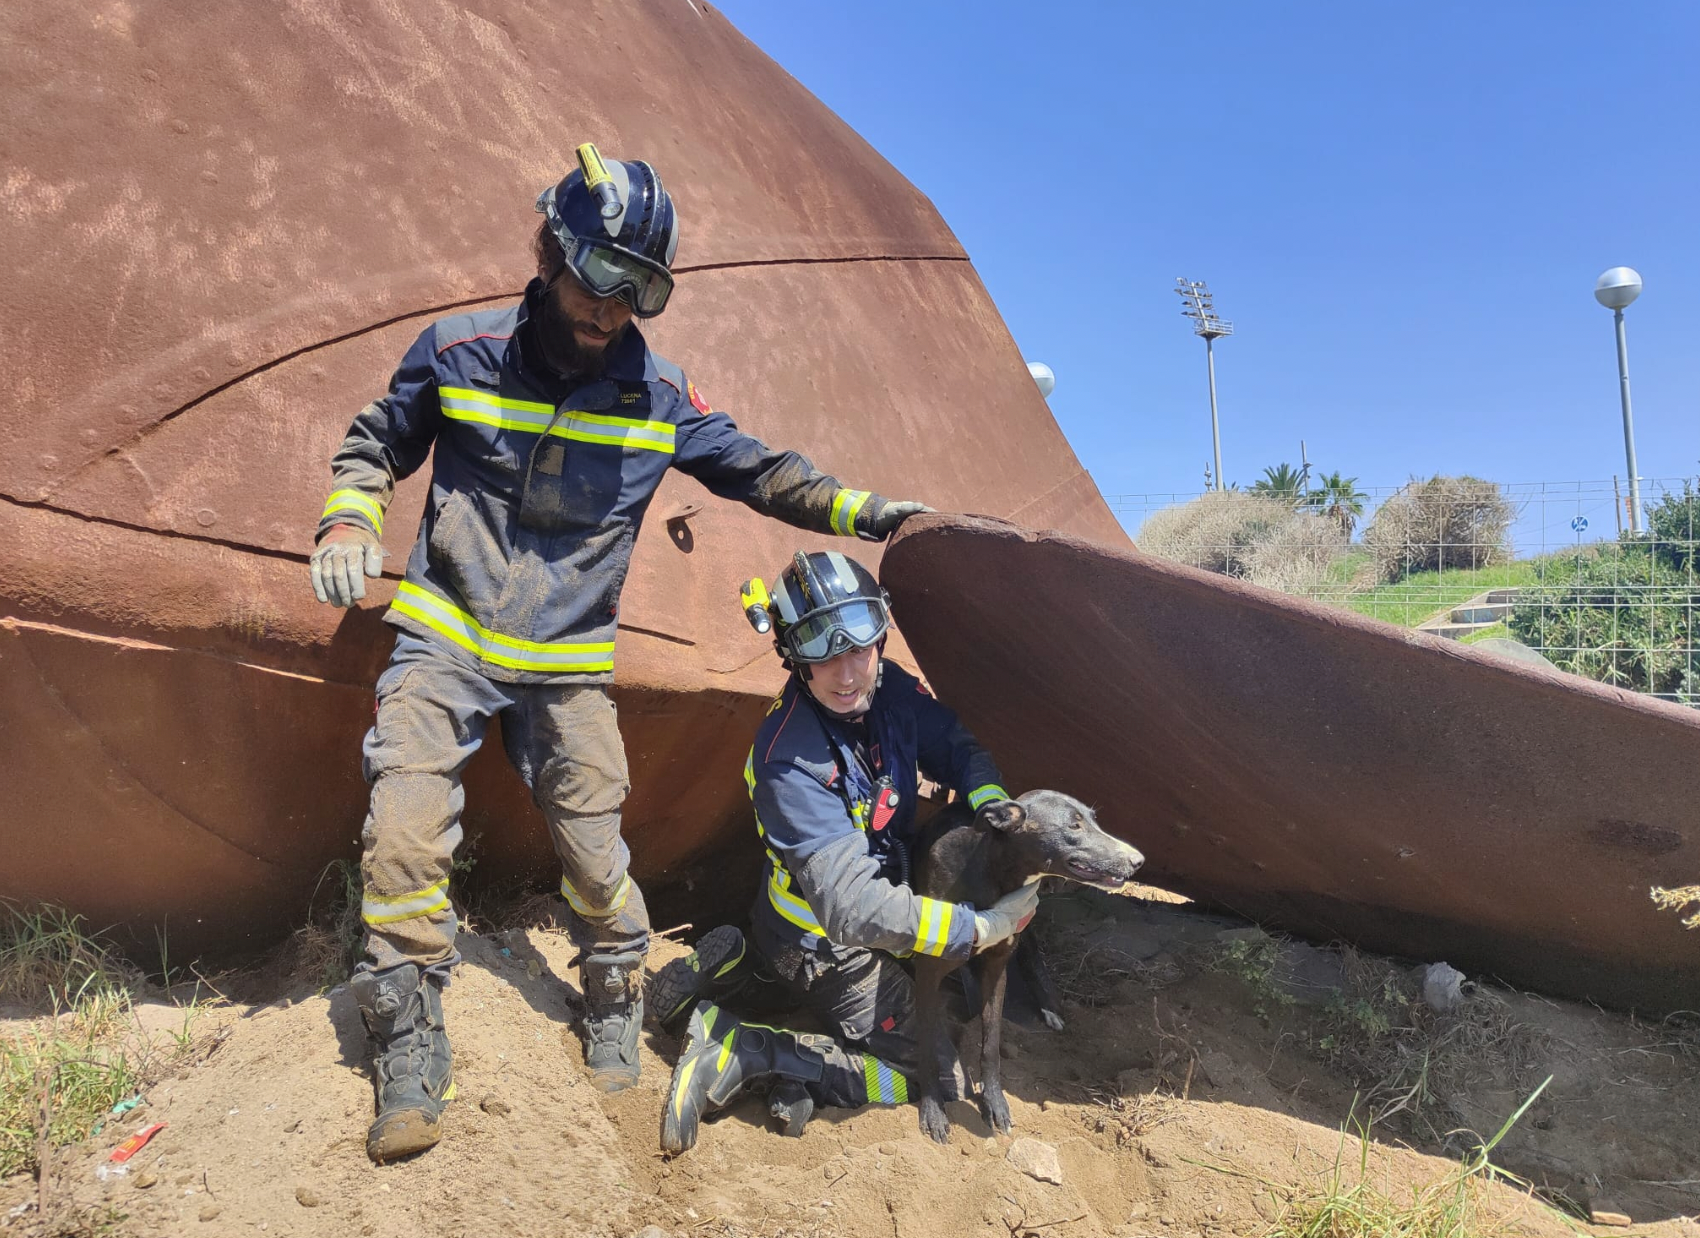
(835, 806)
(539, 485)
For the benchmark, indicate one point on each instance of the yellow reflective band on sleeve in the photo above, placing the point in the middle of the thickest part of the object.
(530, 417)
(934, 934)
(577, 903)
(859, 816)
(980, 795)
(787, 904)
(750, 773)
(389, 908)
(521, 655)
(845, 506)
(356, 501)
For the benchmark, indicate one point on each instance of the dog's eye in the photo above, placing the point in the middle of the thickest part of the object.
(1077, 824)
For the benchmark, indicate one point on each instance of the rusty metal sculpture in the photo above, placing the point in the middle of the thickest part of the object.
(223, 226)
(1317, 770)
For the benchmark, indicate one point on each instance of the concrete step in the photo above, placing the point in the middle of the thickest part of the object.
(1454, 631)
(1481, 612)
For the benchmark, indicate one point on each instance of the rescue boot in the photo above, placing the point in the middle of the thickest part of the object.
(716, 971)
(791, 1106)
(720, 1058)
(613, 1013)
(412, 1069)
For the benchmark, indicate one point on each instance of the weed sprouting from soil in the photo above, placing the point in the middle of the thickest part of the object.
(1408, 1059)
(71, 1067)
(326, 948)
(1348, 1203)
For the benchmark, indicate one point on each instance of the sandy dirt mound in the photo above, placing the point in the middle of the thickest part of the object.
(1184, 1086)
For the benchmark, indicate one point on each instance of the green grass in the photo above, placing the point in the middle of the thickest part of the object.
(1423, 595)
(1351, 1205)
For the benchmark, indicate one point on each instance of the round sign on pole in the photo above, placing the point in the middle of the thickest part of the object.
(1580, 524)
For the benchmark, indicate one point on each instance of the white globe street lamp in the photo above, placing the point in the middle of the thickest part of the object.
(1615, 290)
(1044, 376)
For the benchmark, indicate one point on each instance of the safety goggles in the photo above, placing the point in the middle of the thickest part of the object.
(607, 270)
(611, 272)
(823, 634)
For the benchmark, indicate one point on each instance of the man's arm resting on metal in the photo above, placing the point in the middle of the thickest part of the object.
(783, 484)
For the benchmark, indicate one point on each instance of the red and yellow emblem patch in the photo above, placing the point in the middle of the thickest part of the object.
(697, 402)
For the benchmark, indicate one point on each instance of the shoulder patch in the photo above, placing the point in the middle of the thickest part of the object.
(697, 402)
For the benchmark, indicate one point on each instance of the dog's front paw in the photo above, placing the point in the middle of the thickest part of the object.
(934, 1125)
(1053, 1020)
(995, 1109)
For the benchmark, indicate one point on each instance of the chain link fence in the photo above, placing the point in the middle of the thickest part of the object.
(1549, 567)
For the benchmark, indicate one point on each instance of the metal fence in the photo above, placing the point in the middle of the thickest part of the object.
(1550, 567)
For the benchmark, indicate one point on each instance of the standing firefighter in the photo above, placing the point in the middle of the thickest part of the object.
(553, 423)
(833, 774)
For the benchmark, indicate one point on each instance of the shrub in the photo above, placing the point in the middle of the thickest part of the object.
(1624, 615)
(1249, 536)
(1441, 523)
(1674, 526)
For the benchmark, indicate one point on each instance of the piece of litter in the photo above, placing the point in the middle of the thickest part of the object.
(105, 1173)
(124, 1106)
(135, 1143)
(506, 953)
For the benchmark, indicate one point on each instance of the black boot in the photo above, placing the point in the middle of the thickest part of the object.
(717, 970)
(721, 1057)
(412, 1069)
(613, 1001)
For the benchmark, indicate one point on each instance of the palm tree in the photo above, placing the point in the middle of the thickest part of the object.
(1281, 482)
(1339, 499)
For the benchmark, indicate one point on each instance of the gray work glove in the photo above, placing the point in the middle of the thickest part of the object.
(1006, 917)
(880, 517)
(347, 554)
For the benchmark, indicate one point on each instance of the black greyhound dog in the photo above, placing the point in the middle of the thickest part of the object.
(977, 858)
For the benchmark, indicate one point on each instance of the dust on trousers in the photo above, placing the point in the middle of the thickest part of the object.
(564, 741)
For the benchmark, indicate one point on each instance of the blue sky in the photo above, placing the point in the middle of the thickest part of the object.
(1402, 208)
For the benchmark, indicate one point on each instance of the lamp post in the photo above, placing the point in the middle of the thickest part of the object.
(1044, 376)
(1615, 290)
(1200, 308)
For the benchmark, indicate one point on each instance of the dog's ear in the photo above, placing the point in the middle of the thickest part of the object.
(1003, 815)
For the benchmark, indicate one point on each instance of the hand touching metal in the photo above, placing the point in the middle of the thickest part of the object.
(879, 519)
(347, 554)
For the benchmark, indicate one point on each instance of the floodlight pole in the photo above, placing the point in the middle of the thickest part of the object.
(1628, 427)
(1215, 424)
(1201, 309)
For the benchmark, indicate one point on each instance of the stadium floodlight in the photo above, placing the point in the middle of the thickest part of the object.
(1616, 289)
(1200, 307)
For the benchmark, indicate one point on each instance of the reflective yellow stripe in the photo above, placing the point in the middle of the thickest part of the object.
(708, 1020)
(355, 501)
(725, 1050)
(859, 816)
(750, 772)
(934, 934)
(521, 655)
(389, 908)
(884, 1085)
(845, 505)
(465, 404)
(991, 791)
(679, 1088)
(789, 905)
(578, 904)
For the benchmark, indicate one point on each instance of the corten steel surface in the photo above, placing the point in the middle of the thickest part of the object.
(223, 227)
(1317, 770)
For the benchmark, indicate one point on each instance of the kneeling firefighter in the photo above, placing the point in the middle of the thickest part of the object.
(833, 774)
(549, 425)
